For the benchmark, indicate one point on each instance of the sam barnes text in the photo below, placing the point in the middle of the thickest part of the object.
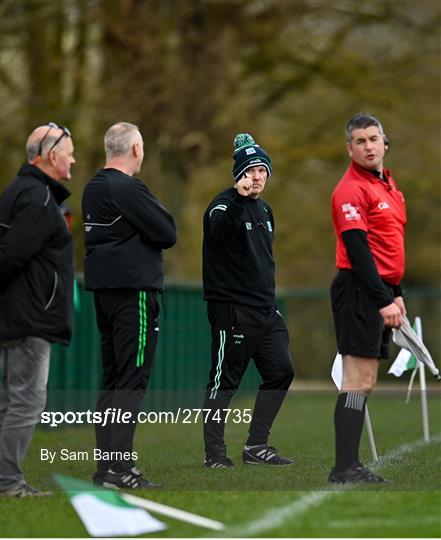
(77, 455)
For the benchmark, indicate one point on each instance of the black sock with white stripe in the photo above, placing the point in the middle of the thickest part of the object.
(348, 421)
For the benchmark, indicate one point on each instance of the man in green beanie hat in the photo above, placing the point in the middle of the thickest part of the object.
(239, 287)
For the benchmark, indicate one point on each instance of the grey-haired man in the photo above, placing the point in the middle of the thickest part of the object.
(126, 231)
(36, 286)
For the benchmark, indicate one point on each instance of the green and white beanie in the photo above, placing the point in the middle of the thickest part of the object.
(248, 154)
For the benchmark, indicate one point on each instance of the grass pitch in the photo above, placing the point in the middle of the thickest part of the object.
(261, 501)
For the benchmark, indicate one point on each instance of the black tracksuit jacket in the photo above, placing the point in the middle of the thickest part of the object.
(126, 229)
(238, 264)
(36, 259)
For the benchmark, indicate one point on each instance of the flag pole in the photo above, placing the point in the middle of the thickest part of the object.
(370, 433)
(172, 512)
(423, 386)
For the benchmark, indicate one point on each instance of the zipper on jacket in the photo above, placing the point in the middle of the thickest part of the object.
(51, 299)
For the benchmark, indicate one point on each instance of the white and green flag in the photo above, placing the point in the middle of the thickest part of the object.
(403, 362)
(104, 512)
(410, 339)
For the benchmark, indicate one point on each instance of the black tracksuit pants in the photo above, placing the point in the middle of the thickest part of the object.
(238, 334)
(127, 320)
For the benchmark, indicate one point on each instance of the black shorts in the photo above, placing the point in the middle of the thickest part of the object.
(359, 327)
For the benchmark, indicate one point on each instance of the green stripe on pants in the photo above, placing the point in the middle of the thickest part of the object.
(142, 336)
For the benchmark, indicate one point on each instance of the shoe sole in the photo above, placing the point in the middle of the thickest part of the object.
(266, 463)
(339, 482)
(24, 495)
(361, 481)
(114, 486)
(27, 495)
(219, 467)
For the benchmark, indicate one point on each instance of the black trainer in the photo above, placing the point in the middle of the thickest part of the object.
(131, 479)
(355, 474)
(263, 454)
(22, 491)
(219, 462)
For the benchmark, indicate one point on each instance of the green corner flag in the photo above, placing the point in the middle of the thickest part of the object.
(104, 512)
(403, 362)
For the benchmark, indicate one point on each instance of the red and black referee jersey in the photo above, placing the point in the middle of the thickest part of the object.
(362, 200)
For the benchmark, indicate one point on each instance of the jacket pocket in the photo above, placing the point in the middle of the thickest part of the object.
(54, 290)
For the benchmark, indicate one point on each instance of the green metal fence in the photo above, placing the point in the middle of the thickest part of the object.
(182, 360)
(181, 366)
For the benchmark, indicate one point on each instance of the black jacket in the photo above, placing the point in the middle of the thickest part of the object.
(126, 229)
(238, 264)
(36, 260)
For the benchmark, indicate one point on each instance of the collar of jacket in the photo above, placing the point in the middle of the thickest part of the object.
(59, 192)
(373, 176)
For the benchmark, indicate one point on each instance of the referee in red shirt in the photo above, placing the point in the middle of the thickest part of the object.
(369, 216)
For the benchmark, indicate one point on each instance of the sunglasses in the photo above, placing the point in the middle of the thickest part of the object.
(66, 133)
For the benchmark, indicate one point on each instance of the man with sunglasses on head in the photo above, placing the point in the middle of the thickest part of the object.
(36, 286)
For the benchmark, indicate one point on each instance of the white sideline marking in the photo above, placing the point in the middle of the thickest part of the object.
(172, 512)
(404, 449)
(383, 522)
(276, 517)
